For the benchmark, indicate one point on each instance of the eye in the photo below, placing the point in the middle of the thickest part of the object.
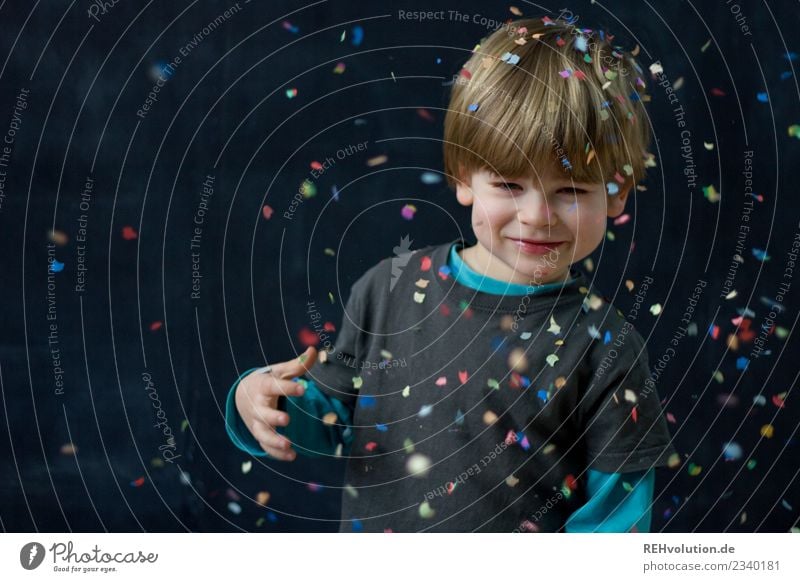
(573, 191)
(507, 186)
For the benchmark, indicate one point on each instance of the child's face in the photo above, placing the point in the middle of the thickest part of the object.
(549, 209)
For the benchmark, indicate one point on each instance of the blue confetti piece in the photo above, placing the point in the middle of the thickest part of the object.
(335, 193)
(444, 271)
(366, 401)
(542, 394)
(762, 96)
(473, 106)
(430, 178)
(272, 517)
(792, 56)
(607, 337)
(634, 96)
(525, 381)
(438, 60)
(56, 266)
(581, 44)
(358, 35)
(357, 525)
(741, 363)
(459, 417)
(612, 188)
(382, 427)
(760, 254)
(785, 75)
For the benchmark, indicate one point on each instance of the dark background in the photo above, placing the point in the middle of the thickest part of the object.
(224, 111)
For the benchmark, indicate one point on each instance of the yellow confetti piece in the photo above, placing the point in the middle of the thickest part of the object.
(711, 193)
(655, 308)
(517, 360)
(511, 481)
(357, 382)
(767, 431)
(422, 283)
(489, 417)
(554, 328)
(406, 391)
(330, 418)
(246, 467)
(408, 445)
(69, 449)
(330, 252)
(552, 359)
(308, 189)
(708, 146)
(351, 491)
(330, 296)
(705, 46)
(630, 395)
(561, 381)
(377, 161)
(515, 11)
(262, 497)
(611, 236)
(419, 297)
(674, 461)
(549, 448)
(590, 157)
(694, 470)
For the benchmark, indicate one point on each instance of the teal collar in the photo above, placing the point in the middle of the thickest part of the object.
(466, 276)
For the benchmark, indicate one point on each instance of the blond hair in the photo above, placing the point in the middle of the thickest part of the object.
(571, 98)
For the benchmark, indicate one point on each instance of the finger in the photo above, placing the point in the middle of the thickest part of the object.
(279, 455)
(267, 436)
(298, 366)
(270, 416)
(279, 387)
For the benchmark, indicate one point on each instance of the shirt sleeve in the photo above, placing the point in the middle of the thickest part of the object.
(318, 424)
(620, 413)
(618, 503)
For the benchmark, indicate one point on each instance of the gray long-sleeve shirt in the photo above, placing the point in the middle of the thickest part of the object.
(503, 403)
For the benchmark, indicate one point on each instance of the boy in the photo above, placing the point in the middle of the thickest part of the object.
(526, 404)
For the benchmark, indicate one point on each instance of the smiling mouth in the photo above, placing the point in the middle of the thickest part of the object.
(541, 243)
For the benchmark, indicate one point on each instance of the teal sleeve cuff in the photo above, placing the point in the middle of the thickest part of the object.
(618, 502)
(234, 425)
(318, 423)
(312, 429)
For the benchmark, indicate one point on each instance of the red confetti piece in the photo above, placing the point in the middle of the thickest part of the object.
(267, 211)
(441, 381)
(138, 482)
(370, 446)
(307, 337)
(511, 437)
(718, 92)
(444, 310)
(315, 165)
(329, 326)
(715, 331)
(425, 264)
(571, 482)
(425, 114)
(155, 326)
(463, 376)
(128, 233)
(670, 418)
(580, 75)
(465, 73)
(634, 414)
(778, 401)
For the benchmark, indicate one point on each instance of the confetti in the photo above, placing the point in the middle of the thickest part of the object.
(56, 266)
(794, 131)
(732, 451)
(246, 467)
(425, 410)
(267, 211)
(290, 27)
(463, 376)
(552, 359)
(377, 161)
(406, 391)
(408, 211)
(419, 297)
(129, 233)
(473, 107)
(554, 328)
(489, 417)
(711, 193)
(339, 68)
(612, 188)
(418, 465)
(767, 431)
(357, 382)
(426, 511)
(510, 58)
(262, 497)
(762, 97)
(358, 35)
(291, 93)
(330, 418)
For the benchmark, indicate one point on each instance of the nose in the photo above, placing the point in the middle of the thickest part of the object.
(535, 210)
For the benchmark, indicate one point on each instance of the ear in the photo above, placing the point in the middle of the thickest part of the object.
(464, 193)
(616, 202)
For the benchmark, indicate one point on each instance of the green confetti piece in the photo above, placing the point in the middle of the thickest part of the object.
(492, 383)
(184, 425)
(751, 464)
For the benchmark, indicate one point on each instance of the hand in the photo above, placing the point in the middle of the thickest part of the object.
(257, 402)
